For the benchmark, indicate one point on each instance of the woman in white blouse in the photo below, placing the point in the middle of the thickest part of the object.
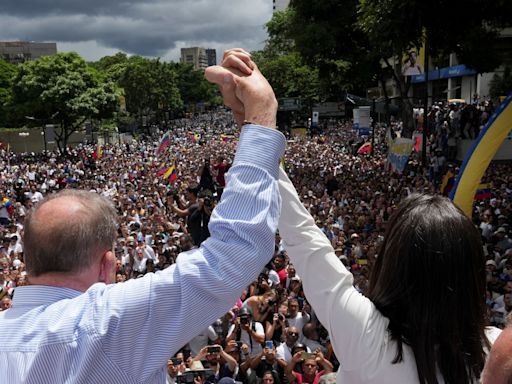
(424, 318)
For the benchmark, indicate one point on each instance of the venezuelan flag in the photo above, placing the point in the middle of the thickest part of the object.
(227, 138)
(484, 191)
(164, 143)
(8, 205)
(447, 183)
(365, 148)
(97, 152)
(171, 174)
(194, 137)
(162, 170)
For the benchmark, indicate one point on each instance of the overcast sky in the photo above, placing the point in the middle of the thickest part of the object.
(156, 28)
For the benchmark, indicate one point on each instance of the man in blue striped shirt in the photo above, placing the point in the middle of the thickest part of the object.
(72, 326)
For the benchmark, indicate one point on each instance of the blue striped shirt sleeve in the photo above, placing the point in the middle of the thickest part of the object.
(143, 322)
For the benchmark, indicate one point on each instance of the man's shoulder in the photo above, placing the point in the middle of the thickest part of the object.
(51, 316)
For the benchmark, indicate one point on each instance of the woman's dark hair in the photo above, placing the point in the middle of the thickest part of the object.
(429, 281)
(274, 374)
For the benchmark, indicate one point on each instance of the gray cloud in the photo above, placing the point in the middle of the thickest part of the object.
(150, 28)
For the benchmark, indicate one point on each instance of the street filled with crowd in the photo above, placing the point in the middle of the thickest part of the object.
(271, 334)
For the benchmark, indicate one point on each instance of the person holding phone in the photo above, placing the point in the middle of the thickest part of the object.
(221, 363)
(314, 366)
(267, 361)
(237, 349)
(174, 369)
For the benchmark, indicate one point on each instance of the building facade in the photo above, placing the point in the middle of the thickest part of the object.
(448, 78)
(16, 52)
(212, 56)
(195, 56)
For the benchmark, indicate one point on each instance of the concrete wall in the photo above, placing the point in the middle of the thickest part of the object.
(34, 141)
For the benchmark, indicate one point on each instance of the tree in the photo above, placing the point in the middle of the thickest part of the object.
(396, 26)
(324, 34)
(7, 74)
(355, 43)
(283, 66)
(289, 76)
(107, 62)
(193, 86)
(63, 86)
(501, 85)
(150, 87)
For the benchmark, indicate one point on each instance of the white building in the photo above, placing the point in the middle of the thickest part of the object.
(195, 56)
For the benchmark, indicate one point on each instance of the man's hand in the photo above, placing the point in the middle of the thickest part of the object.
(244, 89)
(297, 358)
(246, 327)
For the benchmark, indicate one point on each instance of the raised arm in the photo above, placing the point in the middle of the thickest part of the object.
(170, 307)
(355, 326)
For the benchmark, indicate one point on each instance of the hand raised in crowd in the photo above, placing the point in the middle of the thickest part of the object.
(244, 89)
(297, 357)
(319, 355)
(245, 326)
(245, 349)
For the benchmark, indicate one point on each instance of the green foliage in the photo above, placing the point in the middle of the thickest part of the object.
(150, 86)
(289, 75)
(283, 66)
(107, 62)
(7, 75)
(193, 86)
(501, 85)
(325, 36)
(65, 87)
(394, 26)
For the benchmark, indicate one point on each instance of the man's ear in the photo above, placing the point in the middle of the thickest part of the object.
(107, 270)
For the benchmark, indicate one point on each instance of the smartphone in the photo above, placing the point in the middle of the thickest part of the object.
(269, 344)
(239, 345)
(213, 349)
(307, 356)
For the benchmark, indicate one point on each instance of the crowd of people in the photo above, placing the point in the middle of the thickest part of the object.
(271, 334)
(450, 122)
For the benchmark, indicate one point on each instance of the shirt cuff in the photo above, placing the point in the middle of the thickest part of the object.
(262, 147)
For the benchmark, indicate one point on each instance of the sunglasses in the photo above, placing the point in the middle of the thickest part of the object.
(294, 334)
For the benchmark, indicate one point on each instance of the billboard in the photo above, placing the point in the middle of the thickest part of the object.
(414, 62)
(364, 121)
(289, 104)
(330, 109)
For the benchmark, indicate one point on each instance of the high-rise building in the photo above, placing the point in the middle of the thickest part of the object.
(195, 56)
(280, 5)
(16, 52)
(212, 56)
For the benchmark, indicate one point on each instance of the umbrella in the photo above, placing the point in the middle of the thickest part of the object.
(456, 101)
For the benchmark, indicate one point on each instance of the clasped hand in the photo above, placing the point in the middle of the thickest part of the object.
(244, 89)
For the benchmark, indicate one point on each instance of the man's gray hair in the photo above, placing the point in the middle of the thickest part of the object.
(70, 244)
